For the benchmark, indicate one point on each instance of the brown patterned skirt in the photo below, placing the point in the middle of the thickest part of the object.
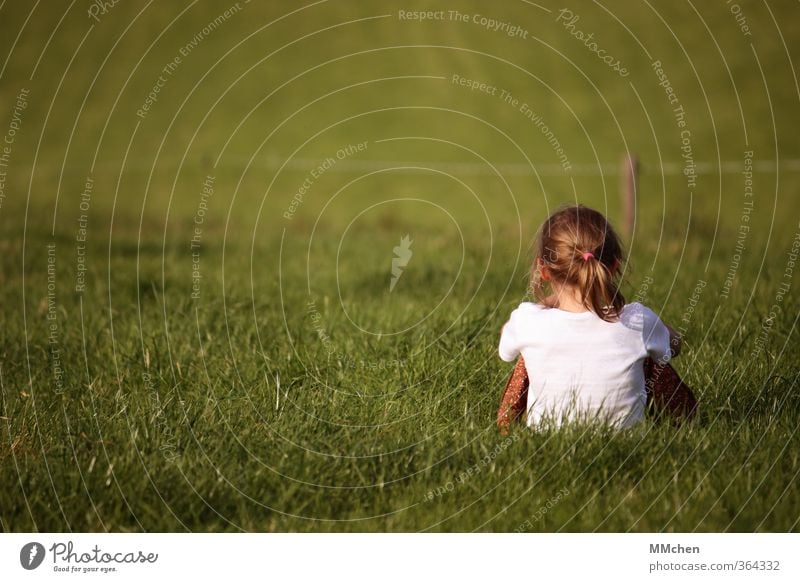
(667, 396)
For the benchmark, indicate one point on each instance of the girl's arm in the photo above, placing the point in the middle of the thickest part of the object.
(675, 341)
(515, 398)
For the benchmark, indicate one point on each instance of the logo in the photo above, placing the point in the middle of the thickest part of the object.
(402, 254)
(31, 555)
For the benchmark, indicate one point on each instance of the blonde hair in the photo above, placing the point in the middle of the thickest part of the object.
(580, 249)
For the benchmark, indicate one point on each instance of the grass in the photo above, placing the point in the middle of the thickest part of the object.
(296, 393)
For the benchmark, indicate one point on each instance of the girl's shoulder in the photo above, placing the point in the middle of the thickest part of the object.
(636, 316)
(527, 310)
(531, 307)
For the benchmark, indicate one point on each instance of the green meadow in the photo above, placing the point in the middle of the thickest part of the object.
(199, 211)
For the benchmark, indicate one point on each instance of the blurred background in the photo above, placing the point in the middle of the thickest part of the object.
(203, 209)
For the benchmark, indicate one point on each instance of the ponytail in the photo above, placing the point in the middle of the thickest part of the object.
(579, 248)
(598, 291)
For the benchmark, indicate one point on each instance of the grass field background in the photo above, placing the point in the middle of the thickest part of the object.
(290, 390)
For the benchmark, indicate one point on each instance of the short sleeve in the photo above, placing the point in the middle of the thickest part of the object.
(656, 336)
(510, 344)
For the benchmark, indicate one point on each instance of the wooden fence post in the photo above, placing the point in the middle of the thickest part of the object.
(629, 183)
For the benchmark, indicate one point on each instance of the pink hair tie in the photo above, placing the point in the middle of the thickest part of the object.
(587, 255)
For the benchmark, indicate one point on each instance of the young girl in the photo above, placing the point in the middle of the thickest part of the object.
(585, 353)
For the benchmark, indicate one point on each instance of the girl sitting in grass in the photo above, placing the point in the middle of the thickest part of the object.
(583, 352)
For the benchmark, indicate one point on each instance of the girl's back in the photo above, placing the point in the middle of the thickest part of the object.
(583, 347)
(582, 366)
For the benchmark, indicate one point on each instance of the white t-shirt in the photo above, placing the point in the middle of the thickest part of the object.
(580, 366)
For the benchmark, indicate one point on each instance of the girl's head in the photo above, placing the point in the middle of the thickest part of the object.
(578, 250)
